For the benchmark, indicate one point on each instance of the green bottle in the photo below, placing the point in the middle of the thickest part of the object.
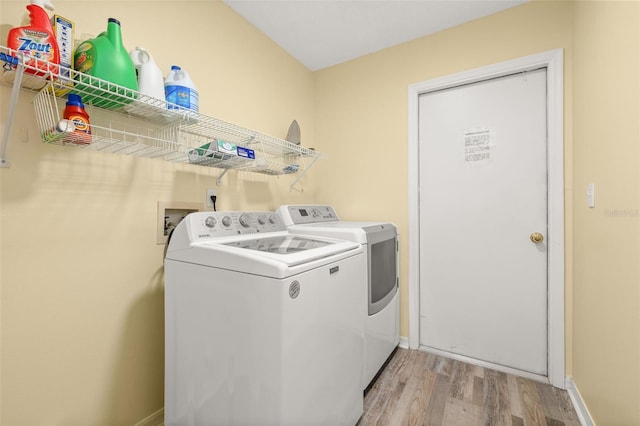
(106, 58)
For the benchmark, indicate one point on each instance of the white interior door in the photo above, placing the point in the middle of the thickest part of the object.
(483, 194)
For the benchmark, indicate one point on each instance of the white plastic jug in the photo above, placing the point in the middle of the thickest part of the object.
(180, 90)
(150, 78)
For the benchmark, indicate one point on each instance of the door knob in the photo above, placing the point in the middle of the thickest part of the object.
(536, 237)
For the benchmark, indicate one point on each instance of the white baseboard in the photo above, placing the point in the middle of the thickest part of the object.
(155, 419)
(404, 342)
(578, 403)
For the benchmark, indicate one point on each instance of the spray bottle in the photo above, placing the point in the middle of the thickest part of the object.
(37, 40)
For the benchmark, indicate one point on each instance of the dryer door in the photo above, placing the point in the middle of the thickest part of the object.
(382, 252)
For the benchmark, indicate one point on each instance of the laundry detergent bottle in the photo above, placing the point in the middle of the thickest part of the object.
(37, 40)
(74, 111)
(106, 58)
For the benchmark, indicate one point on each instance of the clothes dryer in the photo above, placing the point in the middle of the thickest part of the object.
(380, 241)
(261, 326)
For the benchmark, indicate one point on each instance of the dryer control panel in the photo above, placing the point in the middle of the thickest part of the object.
(298, 215)
(205, 225)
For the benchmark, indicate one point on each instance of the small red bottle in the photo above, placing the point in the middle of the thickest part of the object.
(74, 112)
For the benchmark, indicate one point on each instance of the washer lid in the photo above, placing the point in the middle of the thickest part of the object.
(281, 244)
(274, 254)
(253, 243)
(276, 248)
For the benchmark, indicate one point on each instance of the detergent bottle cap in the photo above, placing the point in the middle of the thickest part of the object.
(114, 34)
(75, 100)
(45, 4)
(175, 68)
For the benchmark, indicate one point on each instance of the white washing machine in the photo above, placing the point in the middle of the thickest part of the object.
(262, 327)
(380, 241)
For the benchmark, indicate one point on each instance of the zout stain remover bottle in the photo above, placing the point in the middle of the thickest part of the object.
(37, 41)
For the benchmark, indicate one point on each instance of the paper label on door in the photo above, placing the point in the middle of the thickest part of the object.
(479, 146)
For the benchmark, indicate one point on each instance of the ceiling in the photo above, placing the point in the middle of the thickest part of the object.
(322, 33)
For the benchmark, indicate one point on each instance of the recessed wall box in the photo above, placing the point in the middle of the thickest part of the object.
(170, 213)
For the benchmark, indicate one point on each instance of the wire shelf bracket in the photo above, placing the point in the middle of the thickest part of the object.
(15, 93)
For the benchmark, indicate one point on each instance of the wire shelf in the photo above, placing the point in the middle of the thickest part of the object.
(126, 122)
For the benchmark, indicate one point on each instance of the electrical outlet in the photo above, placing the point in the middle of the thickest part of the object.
(208, 202)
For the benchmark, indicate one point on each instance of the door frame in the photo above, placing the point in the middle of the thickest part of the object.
(553, 61)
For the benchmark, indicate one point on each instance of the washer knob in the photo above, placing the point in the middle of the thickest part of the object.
(261, 220)
(245, 220)
(226, 221)
(272, 219)
(210, 221)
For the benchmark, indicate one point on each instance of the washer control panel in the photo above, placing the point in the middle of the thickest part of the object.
(203, 225)
(297, 215)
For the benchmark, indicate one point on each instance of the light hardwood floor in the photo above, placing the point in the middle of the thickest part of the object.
(417, 388)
